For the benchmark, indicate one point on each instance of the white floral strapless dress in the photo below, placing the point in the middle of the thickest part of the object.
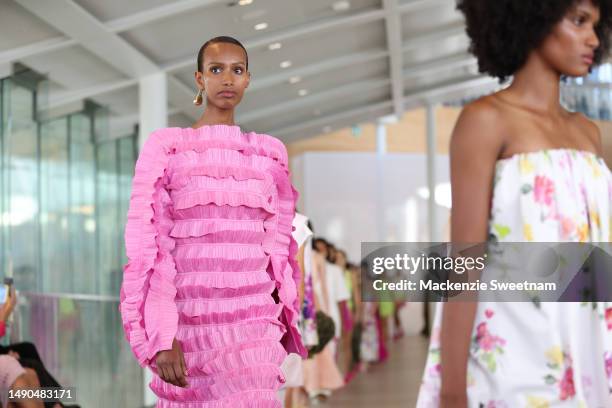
(548, 354)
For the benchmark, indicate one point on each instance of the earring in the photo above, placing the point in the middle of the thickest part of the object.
(199, 97)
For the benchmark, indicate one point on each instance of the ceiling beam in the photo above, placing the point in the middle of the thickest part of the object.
(444, 91)
(165, 11)
(39, 47)
(115, 26)
(333, 118)
(69, 97)
(320, 97)
(437, 93)
(418, 5)
(317, 27)
(158, 13)
(74, 21)
(446, 63)
(134, 64)
(317, 68)
(427, 39)
(346, 90)
(394, 44)
(58, 99)
(298, 31)
(449, 89)
(321, 26)
(148, 16)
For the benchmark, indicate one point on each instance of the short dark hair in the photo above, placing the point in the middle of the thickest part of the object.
(316, 240)
(221, 39)
(504, 32)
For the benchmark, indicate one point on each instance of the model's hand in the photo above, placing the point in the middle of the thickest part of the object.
(8, 307)
(171, 365)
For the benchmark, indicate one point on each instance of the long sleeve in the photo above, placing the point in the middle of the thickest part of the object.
(147, 306)
(285, 269)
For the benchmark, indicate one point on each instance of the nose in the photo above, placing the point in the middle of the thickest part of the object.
(228, 78)
(593, 40)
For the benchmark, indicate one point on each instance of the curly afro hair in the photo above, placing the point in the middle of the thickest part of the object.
(504, 32)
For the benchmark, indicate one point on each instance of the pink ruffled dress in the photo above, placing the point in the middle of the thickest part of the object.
(212, 263)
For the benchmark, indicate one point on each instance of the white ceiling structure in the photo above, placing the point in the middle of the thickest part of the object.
(318, 65)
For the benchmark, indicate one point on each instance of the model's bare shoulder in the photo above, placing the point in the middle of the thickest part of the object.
(480, 126)
(590, 130)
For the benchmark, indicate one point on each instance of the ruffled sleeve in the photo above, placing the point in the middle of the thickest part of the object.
(283, 262)
(147, 306)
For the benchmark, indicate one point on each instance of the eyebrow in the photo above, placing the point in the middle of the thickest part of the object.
(221, 63)
(583, 9)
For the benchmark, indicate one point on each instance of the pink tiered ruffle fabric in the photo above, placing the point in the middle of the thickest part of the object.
(212, 264)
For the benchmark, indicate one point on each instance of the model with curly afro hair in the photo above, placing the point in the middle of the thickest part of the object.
(523, 168)
(504, 32)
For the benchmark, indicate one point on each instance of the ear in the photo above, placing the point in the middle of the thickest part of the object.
(199, 80)
(248, 79)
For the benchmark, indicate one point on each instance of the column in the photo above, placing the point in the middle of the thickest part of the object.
(6, 70)
(381, 150)
(431, 173)
(153, 104)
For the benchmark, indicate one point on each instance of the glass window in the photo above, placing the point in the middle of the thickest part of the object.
(63, 207)
(55, 214)
(19, 208)
(109, 220)
(82, 205)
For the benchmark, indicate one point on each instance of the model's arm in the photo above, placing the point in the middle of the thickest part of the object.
(6, 310)
(342, 297)
(148, 310)
(475, 146)
(321, 296)
(357, 294)
(300, 260)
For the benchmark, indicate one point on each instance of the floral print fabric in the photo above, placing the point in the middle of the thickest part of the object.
(540, 355)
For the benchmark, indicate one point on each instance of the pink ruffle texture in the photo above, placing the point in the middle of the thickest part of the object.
(210, 253)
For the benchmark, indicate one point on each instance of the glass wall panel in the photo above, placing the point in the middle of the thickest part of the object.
(82, 205)
(109, 229)
(54, 200)
(127, 154)
(19, 187)
(63, 206)
(82, 344)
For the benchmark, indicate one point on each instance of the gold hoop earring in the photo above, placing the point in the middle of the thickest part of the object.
(199, 97)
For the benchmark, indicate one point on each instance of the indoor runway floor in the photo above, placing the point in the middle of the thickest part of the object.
(393, 384)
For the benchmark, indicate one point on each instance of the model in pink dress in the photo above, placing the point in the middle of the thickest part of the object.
(211, 273)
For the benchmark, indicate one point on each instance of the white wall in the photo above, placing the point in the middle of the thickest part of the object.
(344, 197)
